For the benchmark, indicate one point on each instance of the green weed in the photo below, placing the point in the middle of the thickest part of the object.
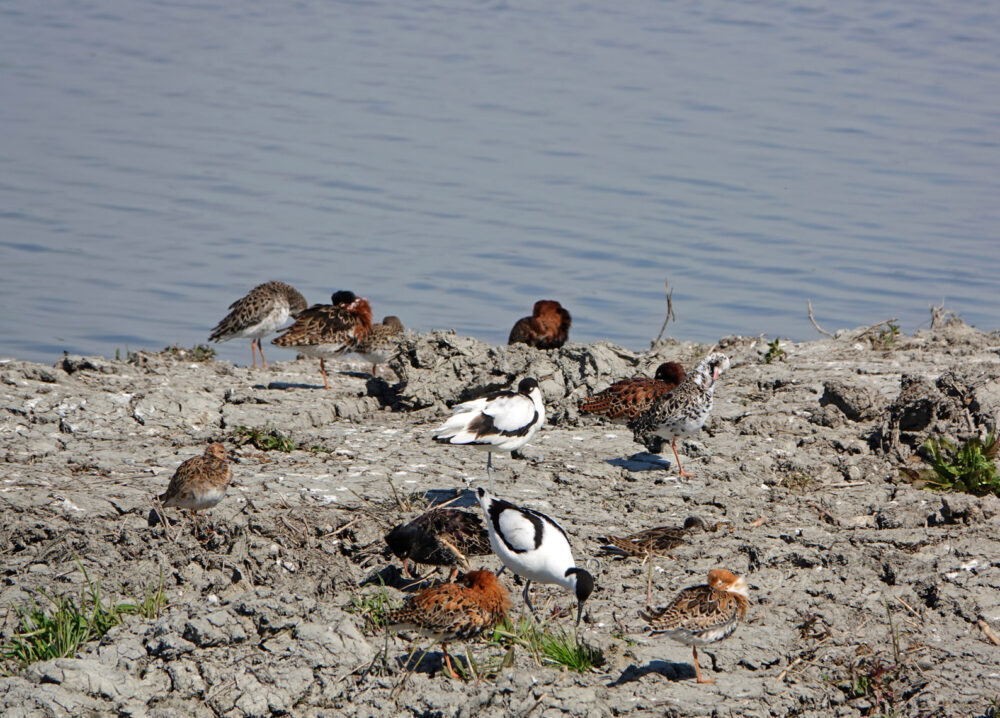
(970, 467)
(774, 351)
(886, 338)
(266, 439)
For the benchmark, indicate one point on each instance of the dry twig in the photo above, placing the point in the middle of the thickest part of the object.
(987, 631)
(670, 310)
(820, 329)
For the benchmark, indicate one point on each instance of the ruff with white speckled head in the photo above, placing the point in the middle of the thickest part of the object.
(683, 411)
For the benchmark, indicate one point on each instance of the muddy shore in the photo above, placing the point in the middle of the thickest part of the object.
(869, 595)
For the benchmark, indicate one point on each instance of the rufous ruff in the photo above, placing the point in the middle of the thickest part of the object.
(381, 343)
(683, 411)
(263, 310)
(449, 611)
(626, 399)
(325, 331)
(440, 537)
(501, 421)
(534, 547)
(546, 328)
(200, 482)
(702, 614)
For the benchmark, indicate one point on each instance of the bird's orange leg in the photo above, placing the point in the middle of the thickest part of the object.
(697, 670)
(260, 348)
(680, 472)
(322, 368)
(447, 661)
(253, 354)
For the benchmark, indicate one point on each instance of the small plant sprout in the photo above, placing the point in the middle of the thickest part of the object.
(549, 645)
(266, 439)
(774, 351)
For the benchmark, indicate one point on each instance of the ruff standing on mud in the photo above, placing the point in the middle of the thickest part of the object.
(325, 331)
(263, 310)
(473, 604)
(501, 421)
(546, 328)
(534, 547)
(200, 482)
(683, 411)
(382, 342)
(702, 614)
(626, 399)
(440, 537)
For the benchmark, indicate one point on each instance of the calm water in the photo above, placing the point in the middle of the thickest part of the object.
(454, 161)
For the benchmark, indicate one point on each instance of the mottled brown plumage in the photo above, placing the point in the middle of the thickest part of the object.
(440, 537)
(702, 614)
(626, 399)
(683, 411)
(200, 482)
(546, 328)
(381, 343)
(263, 310)
(656, 541)
(476, 602)
(328, 330)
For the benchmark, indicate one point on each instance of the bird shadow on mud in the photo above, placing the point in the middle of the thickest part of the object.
(458, 498)
(286, 385)
(671, 671)
(643, 461)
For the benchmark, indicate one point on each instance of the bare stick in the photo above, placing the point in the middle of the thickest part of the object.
(987, 631)
(820, 329)
(670, 309)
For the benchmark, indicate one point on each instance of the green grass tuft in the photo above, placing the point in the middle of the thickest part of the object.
(199, 353)
(266, 439)
(550, 645)
(372, 607)
(62, 624)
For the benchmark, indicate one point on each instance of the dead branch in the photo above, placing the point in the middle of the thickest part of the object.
(987, 631)
(820, 329)
(940, 316)
(670, 310)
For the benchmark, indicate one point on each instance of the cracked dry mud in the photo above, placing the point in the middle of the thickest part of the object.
(800, 457)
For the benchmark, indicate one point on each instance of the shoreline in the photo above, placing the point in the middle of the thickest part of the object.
(838, 551)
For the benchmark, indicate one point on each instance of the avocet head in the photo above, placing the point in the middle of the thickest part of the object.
(724, 580)
(527, 385)
(583, 584)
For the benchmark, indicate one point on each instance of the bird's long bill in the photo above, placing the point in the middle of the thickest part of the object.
(579, 613)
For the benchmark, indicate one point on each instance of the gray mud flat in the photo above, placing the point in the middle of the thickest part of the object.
(800, 456)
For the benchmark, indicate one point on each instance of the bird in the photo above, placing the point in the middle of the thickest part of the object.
(381, 342)
(449, 611)
(325, 331)
(702, 614)
(546, 328)
(626, 399)
(501, 421)
(265, 308)
(440, 537)
(534, 547)
(655, 541)
(683, 411)
(200, 482)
